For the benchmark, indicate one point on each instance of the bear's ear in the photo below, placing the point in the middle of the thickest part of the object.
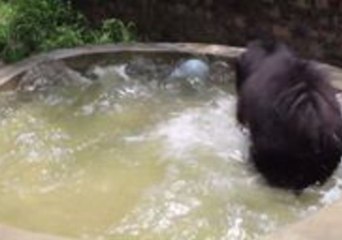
(269, 44)
(266, 44)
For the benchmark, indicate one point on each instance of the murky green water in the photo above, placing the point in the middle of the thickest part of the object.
(123, 160)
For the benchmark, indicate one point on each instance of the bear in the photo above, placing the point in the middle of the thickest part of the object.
(290, 109)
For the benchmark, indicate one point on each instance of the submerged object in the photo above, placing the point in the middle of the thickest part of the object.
(192, 68)
(191, 74)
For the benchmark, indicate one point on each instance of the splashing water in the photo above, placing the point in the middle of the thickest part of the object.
(122, 159)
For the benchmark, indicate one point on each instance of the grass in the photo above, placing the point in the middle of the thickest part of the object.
(32, 26)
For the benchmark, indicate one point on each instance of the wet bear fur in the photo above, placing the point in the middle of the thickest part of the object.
(291, 111)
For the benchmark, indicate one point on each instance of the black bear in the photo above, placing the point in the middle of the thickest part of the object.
(291, 111)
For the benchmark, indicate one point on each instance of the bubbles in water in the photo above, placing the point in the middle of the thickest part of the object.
(122, 157)
(209, 126)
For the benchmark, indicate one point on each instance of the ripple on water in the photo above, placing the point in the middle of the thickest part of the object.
(122, 159)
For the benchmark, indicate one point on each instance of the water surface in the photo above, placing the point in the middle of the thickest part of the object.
(122, 158)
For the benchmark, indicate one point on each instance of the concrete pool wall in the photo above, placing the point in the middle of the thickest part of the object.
(323, 225)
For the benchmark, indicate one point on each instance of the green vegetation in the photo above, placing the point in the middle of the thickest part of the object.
(32, 26)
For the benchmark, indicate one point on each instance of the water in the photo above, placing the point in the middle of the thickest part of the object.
(126, 159)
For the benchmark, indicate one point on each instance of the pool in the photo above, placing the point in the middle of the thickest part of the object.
(126, 152)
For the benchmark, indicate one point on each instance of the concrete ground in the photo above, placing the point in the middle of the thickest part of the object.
(324, 225)
(11, 233)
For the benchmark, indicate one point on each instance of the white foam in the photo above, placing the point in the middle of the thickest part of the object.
(212, 126)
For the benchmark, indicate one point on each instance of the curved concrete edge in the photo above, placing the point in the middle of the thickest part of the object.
(11, 233)
(325, 224)
(7, 73)
(334, 74)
